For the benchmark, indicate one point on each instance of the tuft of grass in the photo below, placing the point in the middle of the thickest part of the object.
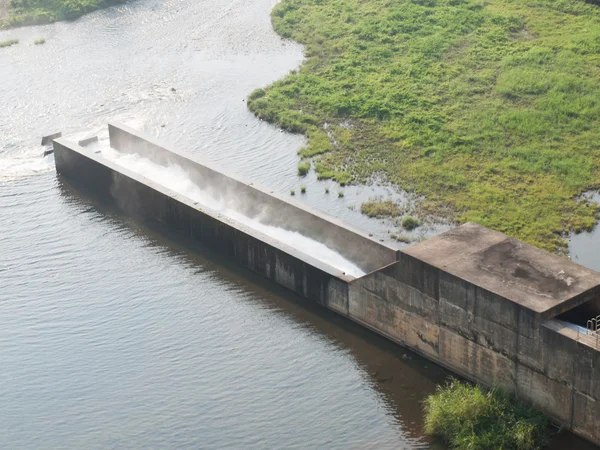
(470, 417)
(292, 192)
(380, 209)
(9, 42)
(340, 194)
(410, 223)
(327, 190)
(400, 238)
(489, 110)
(40, 41)
(303, 189)
(35, 12)
(303, 168)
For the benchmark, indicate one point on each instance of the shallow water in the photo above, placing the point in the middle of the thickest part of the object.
(113, 335)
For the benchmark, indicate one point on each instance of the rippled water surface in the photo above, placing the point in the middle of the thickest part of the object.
(113, 335)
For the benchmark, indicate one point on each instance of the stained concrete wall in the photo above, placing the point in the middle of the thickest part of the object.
(483, 337)
(253, 200)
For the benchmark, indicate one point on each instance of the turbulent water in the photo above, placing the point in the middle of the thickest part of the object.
(174, 177)
(112, 336)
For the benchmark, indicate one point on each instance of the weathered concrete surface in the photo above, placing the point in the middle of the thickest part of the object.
(521, 273)
(471, 299)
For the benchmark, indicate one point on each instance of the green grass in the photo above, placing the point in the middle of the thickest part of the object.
(303, 168)
(292, 192)
(340, 194)
(400, 238)
(303, 189)
(33, 12)
(410, 223)
(385, 208)
(471, 417)
(40, 41)
(490, 110)
(9, 43)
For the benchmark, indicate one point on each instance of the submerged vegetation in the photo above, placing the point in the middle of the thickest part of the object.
(470, 417)
(490, 110)
(9, 43)
(33, 12)
(385, 208)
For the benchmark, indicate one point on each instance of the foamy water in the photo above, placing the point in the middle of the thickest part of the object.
(177, 179)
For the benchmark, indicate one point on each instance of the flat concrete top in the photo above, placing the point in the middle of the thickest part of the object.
(535, 279)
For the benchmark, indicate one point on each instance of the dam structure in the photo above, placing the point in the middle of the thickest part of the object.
(486, 306)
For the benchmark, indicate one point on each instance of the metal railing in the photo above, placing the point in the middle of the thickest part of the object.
(591, 333)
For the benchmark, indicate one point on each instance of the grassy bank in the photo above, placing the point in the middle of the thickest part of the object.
(469, 417)
(490, 109)
(33, 12)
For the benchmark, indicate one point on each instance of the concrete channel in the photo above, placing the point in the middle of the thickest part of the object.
(488, 307)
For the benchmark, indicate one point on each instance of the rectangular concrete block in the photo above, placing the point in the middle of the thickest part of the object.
(403, 327)
(475, 361)
(337, 296)
(586, 412)
(587, 369)
(400, 294)
(549, 396)
(415, 273)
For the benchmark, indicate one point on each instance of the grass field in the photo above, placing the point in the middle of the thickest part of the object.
(32, 12)
(489, 109)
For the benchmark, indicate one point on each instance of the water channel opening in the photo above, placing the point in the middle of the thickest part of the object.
(179, 180)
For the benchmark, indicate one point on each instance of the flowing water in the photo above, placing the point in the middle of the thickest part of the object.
(115, 336)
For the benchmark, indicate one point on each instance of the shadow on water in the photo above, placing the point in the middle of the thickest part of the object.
(403, 378)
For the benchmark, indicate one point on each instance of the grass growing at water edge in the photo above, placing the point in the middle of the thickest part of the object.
(470, 417)
(490, 110)
(9, 42)
(40, 41)
(33, 12)
(303, 168)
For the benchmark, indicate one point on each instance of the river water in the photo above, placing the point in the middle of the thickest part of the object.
(115, 336)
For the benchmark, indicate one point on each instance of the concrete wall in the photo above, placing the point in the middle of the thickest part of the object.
(253, 200)
(145, 200)
(483, 337)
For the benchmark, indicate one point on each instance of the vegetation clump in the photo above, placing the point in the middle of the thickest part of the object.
(385, 208)
(303, 189)
(400, 238)
(469, 417)
(292, 192)
(489, 110)
(33, 12)
(39, 41)
(9, 42)
(303, 168)
(340, 194)
(410, 223)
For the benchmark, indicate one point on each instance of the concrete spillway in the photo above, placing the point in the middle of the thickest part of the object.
(484, 305)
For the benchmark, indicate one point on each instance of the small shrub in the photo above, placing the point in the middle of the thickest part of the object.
(40, 41)
(340, 194)
(410, 223)
(9, 43)
(303, 168)
(400, 238)
(380, 209)
(303, 189)
(470, 417)
(292, 192)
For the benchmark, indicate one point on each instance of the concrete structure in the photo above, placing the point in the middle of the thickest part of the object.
(486, 306)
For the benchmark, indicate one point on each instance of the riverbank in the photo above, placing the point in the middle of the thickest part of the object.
(15, 13)
(489, 111)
